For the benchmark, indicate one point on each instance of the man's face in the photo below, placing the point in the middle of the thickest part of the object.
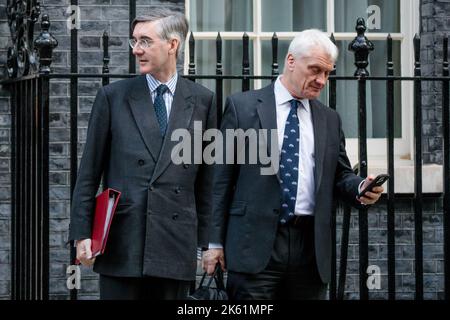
(309, 74)
(155, 58)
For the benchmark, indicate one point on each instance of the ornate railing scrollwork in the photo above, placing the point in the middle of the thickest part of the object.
(23, 58)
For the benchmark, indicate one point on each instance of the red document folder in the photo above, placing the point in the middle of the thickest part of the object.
(105, 207)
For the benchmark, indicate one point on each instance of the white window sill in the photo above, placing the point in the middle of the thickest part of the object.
(432, 175)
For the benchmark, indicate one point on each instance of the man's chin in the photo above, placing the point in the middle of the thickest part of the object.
(144, 70)
(313, 94)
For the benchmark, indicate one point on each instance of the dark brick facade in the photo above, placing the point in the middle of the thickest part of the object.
(5, 176)
(435, 24)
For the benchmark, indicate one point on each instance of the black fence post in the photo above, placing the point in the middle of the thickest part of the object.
(20, 214)
(45, 43)
(35, 200)
(333, 282)
(105, 69)
(275, 71)
(131, 57)
(390, 155)
(219, 81)
(29, 190)
(446, 168)
(361, 46)
(191, 70)
(418, 171)
(245, 63)
(73, 128)
(14, 183)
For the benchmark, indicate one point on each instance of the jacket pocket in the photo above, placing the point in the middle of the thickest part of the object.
(238, 208)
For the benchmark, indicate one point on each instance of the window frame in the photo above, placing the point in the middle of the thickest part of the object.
(409, 25)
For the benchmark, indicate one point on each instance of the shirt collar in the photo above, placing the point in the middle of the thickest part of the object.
(283, 96)
(154, 83)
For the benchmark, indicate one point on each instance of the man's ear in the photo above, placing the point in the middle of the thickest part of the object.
(174, 43)
(290, 61)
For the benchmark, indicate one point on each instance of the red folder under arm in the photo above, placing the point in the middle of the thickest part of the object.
(105, 207)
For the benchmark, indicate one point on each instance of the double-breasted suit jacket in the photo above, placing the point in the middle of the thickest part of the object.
(163, 213)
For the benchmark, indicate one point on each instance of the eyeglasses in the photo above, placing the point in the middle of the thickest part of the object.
(142, 43)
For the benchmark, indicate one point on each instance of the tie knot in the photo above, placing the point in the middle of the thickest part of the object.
(294, 104)
(162, 88)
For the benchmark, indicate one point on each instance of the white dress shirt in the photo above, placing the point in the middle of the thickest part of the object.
(305, 202)
(168, 95)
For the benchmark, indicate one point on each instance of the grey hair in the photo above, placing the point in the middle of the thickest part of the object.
(303, 42)
(171, 24)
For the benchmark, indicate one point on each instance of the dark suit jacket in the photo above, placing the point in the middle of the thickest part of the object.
(164, 209)
(247, 204)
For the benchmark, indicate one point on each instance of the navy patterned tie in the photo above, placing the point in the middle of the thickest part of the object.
(160, 108)
(289, 164)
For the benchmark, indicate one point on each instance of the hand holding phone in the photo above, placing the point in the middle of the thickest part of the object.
(376, 182)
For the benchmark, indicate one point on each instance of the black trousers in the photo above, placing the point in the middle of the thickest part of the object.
(291, 272)
(125, 288)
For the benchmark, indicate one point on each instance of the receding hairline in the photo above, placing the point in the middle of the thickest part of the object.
(154, 18)
(313, 39)
(310, 52)
(156, 22)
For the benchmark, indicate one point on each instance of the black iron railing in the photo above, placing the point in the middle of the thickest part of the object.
(30, 147)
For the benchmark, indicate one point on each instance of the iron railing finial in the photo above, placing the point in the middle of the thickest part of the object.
(45, 44)
(361, 46)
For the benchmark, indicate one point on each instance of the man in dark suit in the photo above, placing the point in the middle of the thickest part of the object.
(164, 209)
(276, 229)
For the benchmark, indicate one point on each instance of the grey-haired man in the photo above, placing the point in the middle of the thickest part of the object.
(273, 232)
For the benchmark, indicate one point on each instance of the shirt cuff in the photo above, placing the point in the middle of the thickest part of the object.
(360, 186)
(359, 190)
(213, 245)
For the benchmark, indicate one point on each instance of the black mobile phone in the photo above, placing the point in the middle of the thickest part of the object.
(378, 181)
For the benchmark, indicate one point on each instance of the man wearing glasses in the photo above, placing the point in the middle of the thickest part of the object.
(163, 211)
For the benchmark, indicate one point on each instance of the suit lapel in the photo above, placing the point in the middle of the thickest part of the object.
(180, 117)
(320, 139)
(144, 114)
(266, 109)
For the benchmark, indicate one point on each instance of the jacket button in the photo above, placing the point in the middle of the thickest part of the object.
(141, 162)
(175, 216)
(177, 190)
(151, 188)
(185, 166)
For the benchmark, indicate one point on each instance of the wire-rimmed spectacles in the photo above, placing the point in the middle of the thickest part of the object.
(142, 43)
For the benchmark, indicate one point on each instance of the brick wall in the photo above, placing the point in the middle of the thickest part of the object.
(404, 249)
(435, 17)
(5, 176)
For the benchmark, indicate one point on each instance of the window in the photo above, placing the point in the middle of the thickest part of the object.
(261, 18)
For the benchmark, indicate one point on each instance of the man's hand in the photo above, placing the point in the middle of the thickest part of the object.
(210, 259)
(372, 196)
(84, 253)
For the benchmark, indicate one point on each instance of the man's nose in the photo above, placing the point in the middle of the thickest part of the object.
(137, 50)
(321, 79)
